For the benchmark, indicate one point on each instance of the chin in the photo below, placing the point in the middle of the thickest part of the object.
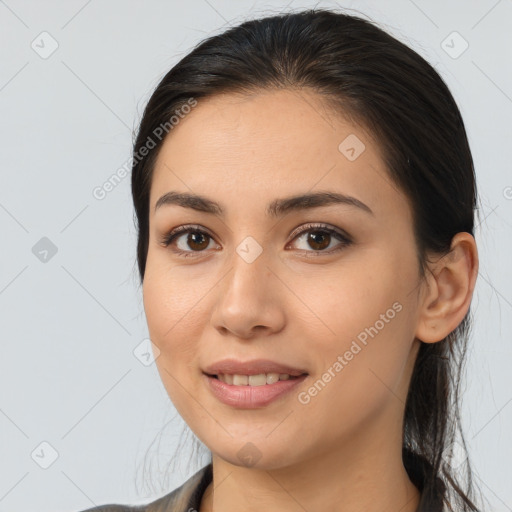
(258, 455)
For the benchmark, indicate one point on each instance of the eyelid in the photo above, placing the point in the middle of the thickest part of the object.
(319, 226)
(185, 228)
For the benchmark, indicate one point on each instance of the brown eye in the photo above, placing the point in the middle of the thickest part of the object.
(319, 241)
(196, 240)
(319, 237)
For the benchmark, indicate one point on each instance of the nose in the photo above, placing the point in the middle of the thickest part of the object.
(250, 301)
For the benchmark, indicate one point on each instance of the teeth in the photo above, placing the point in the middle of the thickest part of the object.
(252, 380)
(256, 380)
(240, 380)
(272, 377)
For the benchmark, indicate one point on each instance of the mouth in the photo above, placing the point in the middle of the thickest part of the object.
(260, 379)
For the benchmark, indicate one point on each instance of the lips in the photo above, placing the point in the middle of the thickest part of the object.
(252, 367)
(251, 397)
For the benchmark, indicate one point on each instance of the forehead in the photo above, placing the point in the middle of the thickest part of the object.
(242, 148)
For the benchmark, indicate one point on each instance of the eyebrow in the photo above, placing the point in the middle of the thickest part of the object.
(276, 208)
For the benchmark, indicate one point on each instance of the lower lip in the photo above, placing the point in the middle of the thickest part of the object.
(251, 397)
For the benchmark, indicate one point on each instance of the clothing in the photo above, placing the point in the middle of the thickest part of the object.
(185, 498)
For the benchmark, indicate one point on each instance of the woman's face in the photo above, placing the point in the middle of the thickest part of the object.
(258, 284)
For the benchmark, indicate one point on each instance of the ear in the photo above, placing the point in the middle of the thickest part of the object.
(450, 285)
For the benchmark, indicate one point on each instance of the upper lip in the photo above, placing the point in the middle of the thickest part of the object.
(252, 367)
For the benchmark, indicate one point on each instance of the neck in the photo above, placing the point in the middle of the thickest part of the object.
(349, 480)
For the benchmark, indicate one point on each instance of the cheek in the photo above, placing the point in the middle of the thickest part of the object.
(369, 335)
(342, 303)
(171, 316)
(366, 318)
(362, 373)
(170, 312)
(171, 299)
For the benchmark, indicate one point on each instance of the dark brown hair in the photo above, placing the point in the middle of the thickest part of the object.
(366, 74)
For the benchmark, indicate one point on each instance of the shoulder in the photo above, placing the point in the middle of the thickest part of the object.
(181, 499)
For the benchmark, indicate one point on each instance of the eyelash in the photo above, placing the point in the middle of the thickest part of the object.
(168, 239)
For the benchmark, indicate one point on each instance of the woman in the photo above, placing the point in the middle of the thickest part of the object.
(305, 200)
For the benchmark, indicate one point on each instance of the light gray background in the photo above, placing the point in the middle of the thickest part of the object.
(69, 325)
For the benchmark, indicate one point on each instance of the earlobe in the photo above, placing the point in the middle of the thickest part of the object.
(450, 284)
